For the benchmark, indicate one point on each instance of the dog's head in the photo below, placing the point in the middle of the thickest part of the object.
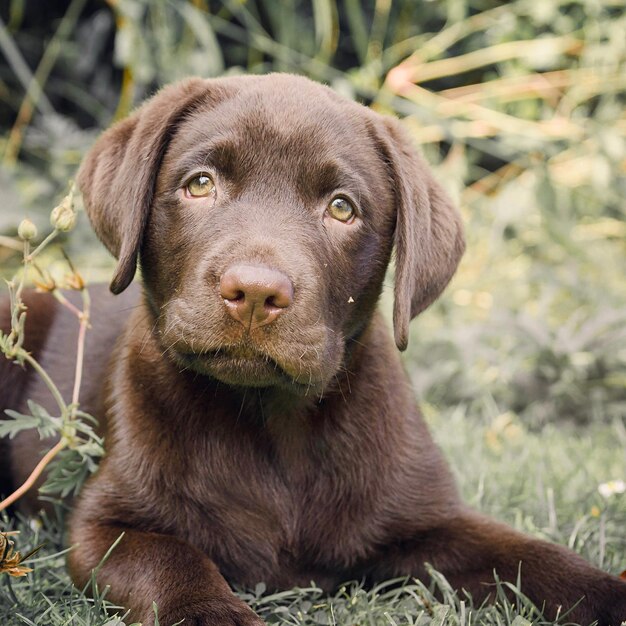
(264, 211)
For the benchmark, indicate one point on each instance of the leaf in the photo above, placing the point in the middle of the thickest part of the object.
(71, 468)
(46, 424)
(11, 561)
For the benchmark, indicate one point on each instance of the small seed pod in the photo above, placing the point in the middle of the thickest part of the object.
(26, 230)
(63, 217)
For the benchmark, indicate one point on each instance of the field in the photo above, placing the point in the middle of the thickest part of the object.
(520, 367)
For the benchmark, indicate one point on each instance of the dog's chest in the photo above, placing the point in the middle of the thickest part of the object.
(278, 512)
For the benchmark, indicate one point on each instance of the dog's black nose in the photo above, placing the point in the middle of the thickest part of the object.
(255, 295)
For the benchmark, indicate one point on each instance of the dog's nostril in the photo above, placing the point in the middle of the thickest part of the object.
(255, 293)
(280, 301)
(230, 289)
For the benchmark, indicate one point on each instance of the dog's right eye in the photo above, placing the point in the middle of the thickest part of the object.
(341, 209)
(200, 186)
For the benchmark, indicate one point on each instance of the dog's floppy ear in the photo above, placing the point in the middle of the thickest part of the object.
(429, 238)
(118, 175)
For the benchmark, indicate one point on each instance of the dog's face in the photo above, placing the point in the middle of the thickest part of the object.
(268, 185)
(264, 210)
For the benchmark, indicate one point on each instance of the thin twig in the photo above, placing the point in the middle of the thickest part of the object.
(66, 303)
(422, 72)
(48, 381)
(80, 351)
(538, 85)
(19, 308)
(26, 249)
(9, 242)
(42, 245)
(556, 128)
(429, 45)
(34, 475)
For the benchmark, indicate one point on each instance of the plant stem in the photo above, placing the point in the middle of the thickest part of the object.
(41, 246)
(9, 242)
(423, 72)
(35, 474)
(20, 286)
(80, 351)
(17, 306)
(11, 591)
(66, 303)
(48, 382)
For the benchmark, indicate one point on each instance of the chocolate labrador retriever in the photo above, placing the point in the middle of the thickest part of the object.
(259, 424)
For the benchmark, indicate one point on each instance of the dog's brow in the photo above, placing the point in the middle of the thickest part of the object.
(325, 178)
(220, 155)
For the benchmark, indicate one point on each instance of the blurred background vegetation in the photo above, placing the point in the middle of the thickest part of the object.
(519, 105)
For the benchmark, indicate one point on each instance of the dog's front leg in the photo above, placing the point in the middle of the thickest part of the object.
(146, 567)
(469, 547)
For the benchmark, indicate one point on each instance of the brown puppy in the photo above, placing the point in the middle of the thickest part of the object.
(259, 423)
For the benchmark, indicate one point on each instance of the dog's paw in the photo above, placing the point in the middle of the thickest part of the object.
(612, 603)
(233, 613)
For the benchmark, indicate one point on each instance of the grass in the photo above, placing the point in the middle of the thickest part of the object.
(541, 482)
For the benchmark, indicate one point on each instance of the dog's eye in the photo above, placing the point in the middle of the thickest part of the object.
(341, 209)
(200, 186)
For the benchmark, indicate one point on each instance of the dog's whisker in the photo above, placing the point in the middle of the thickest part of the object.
(243, 400)
(339, 387)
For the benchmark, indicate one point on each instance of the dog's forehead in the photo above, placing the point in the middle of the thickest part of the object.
(291, 103)
(278, 115)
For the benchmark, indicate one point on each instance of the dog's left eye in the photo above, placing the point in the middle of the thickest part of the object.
(200, 186)
(341, 209)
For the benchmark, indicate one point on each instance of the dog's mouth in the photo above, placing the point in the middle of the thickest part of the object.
(243, 366)
(299, 362)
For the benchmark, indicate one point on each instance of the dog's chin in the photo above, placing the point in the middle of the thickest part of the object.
(256, 370)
